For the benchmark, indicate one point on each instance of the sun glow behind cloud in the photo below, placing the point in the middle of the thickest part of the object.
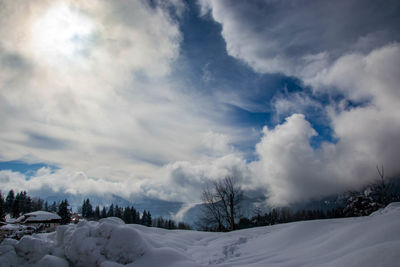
(62, 32)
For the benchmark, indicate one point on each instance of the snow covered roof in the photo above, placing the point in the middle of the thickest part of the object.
(40, 216)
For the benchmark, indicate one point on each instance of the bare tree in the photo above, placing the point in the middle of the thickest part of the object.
(222, 203)
(382, 187)
(213, 209)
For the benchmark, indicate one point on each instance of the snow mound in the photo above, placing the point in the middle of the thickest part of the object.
(52, 261)
(362, 241)
(109, 242)
(391, 208)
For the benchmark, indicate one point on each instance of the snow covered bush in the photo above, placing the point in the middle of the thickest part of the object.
(360, 205)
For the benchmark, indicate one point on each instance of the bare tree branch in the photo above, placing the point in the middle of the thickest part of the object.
(222, 203)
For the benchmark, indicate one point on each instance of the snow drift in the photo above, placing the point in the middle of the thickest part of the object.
(362, 241)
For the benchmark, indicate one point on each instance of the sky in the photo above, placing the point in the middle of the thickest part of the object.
(296, 99)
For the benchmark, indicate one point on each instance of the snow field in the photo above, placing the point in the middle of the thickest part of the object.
(362, 241)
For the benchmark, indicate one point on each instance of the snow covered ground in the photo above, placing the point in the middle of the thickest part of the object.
(362, 241)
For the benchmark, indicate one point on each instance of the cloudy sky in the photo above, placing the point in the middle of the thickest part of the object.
(298, 99)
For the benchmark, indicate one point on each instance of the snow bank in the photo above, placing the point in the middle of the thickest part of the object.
(363, 241)
(109, 242)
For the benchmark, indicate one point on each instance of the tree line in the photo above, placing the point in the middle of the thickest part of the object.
(21, 203)
(222, 200)
(286, 215)
(18, 204)
(128, 215)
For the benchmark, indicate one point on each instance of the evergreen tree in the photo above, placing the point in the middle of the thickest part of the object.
(53, 207)
(97, 213)
(46, 206)
(37, 204)
(137, 216)
(159, 222)
(2, 208)
(64, 212)
(110, 212)
(9, 201)
(87, 209)
(117, 212)
(84, 209)
(25, 202)
(15, 211)
(148, 220)
(103, 212)
(171, 224)
(127, 216)
(184, 226)
(143, 219)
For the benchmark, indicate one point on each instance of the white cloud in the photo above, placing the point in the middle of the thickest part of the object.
(297, 102)
(288, 166)
(367, 134)
(47, 182)
(109, 107)
(333, 49)
(178, 181)
(186, 180)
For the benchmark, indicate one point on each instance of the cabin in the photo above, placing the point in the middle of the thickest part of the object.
(42, 220)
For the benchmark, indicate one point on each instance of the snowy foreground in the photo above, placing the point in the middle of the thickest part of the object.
(363, 241)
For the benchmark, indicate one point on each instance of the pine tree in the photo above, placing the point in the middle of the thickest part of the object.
(46, 206)
(9, 201)
(15, 211)
(110, 212)
(149, 220)
(117, 212)
(37, 204)
(2, 208)
(127, 216)
(137, 216)
(25, 203)
(87, 209)
(146, 218)
(97, 213)
(143, 219)
(103, 213)
(53, 207)
(64, 212)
